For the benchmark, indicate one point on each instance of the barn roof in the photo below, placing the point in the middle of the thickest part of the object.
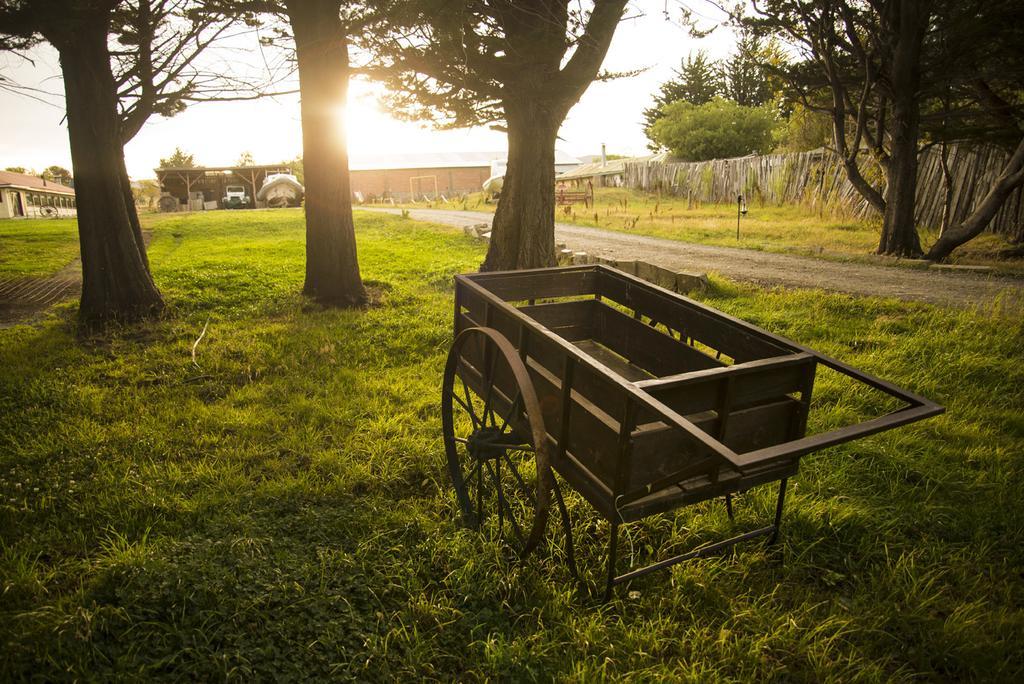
(438, 160)
(27, 181)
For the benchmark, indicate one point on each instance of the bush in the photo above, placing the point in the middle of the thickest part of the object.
(718, 129)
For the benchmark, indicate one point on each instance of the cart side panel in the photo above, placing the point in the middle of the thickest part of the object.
(527, 285)
(659, 449)
(656, 352)
(572, 321)
(768, 383)
(589, 383)
(688, 318)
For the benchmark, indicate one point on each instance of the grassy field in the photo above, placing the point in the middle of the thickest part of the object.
(789, 229)
(280, 509)
(37, 247)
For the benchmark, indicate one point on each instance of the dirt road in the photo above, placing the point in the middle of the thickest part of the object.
(961, 289)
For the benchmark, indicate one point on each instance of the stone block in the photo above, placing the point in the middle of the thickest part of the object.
(648, 272)
(690, 282)
(626, 266)
(664, 278)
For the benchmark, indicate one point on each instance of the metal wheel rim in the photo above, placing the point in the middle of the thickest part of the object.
(528, 532)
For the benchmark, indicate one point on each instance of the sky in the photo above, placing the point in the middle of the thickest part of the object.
(34, 135)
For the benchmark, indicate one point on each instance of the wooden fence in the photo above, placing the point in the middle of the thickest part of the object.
(817, 180)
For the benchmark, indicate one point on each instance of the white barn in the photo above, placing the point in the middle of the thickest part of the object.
(25, 196)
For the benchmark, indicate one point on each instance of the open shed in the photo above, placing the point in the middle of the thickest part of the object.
(196, 188)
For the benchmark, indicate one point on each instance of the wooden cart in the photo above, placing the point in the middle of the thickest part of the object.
(640, 399)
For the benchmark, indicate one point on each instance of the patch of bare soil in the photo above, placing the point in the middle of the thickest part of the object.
(24, 299)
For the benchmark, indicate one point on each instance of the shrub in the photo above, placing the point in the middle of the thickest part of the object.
(716, 130)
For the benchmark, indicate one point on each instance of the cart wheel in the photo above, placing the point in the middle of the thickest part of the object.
(494, 438)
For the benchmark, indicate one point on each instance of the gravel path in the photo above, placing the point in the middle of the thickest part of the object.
(961, 289)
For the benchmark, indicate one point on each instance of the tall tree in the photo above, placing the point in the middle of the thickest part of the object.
(524, 63)
(116, 278)
(867, 56)
(122, 61)
(321, 31)
(979, 68)
(885, 67)
(696, 81)
(322, 49)
(745, 75)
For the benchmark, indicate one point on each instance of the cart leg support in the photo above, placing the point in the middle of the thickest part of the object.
(613, 540)
(570, 549)
(778, 512)
(771, 531)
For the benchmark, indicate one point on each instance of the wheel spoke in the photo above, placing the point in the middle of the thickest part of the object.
(501, 498)
(512, 411)
(479, 496)
(495, 472)
(489, 393)
(512, 447)
(522, 485)
(515, 527)
(472, 471)
(468, 405)
(462, 404)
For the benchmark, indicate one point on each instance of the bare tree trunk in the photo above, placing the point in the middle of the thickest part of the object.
(947, 190)
(321, 43)
(899, 231)
(116, 282)
(523, 231)
(1011, 178)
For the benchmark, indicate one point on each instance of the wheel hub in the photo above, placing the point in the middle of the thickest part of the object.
(481, 444)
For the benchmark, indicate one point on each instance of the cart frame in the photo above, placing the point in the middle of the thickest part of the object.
(671, 403)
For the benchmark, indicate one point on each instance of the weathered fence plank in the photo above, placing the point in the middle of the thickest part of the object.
(817, 180)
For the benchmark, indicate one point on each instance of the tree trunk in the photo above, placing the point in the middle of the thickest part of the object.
(1011, 177)
(116, 282)
(523, 231)
(321, 43)
(899, 231)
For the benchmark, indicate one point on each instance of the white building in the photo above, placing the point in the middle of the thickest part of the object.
(26, 196)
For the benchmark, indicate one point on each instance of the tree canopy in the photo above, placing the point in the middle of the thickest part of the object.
(745, 77)
(896, 75)
(697, 81)
(521, 65)
(178, 159)
(718, 129)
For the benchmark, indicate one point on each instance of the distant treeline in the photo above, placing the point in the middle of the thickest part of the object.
(817, 180)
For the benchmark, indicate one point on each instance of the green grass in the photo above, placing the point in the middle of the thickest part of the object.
(281, 510)
(36, 247)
